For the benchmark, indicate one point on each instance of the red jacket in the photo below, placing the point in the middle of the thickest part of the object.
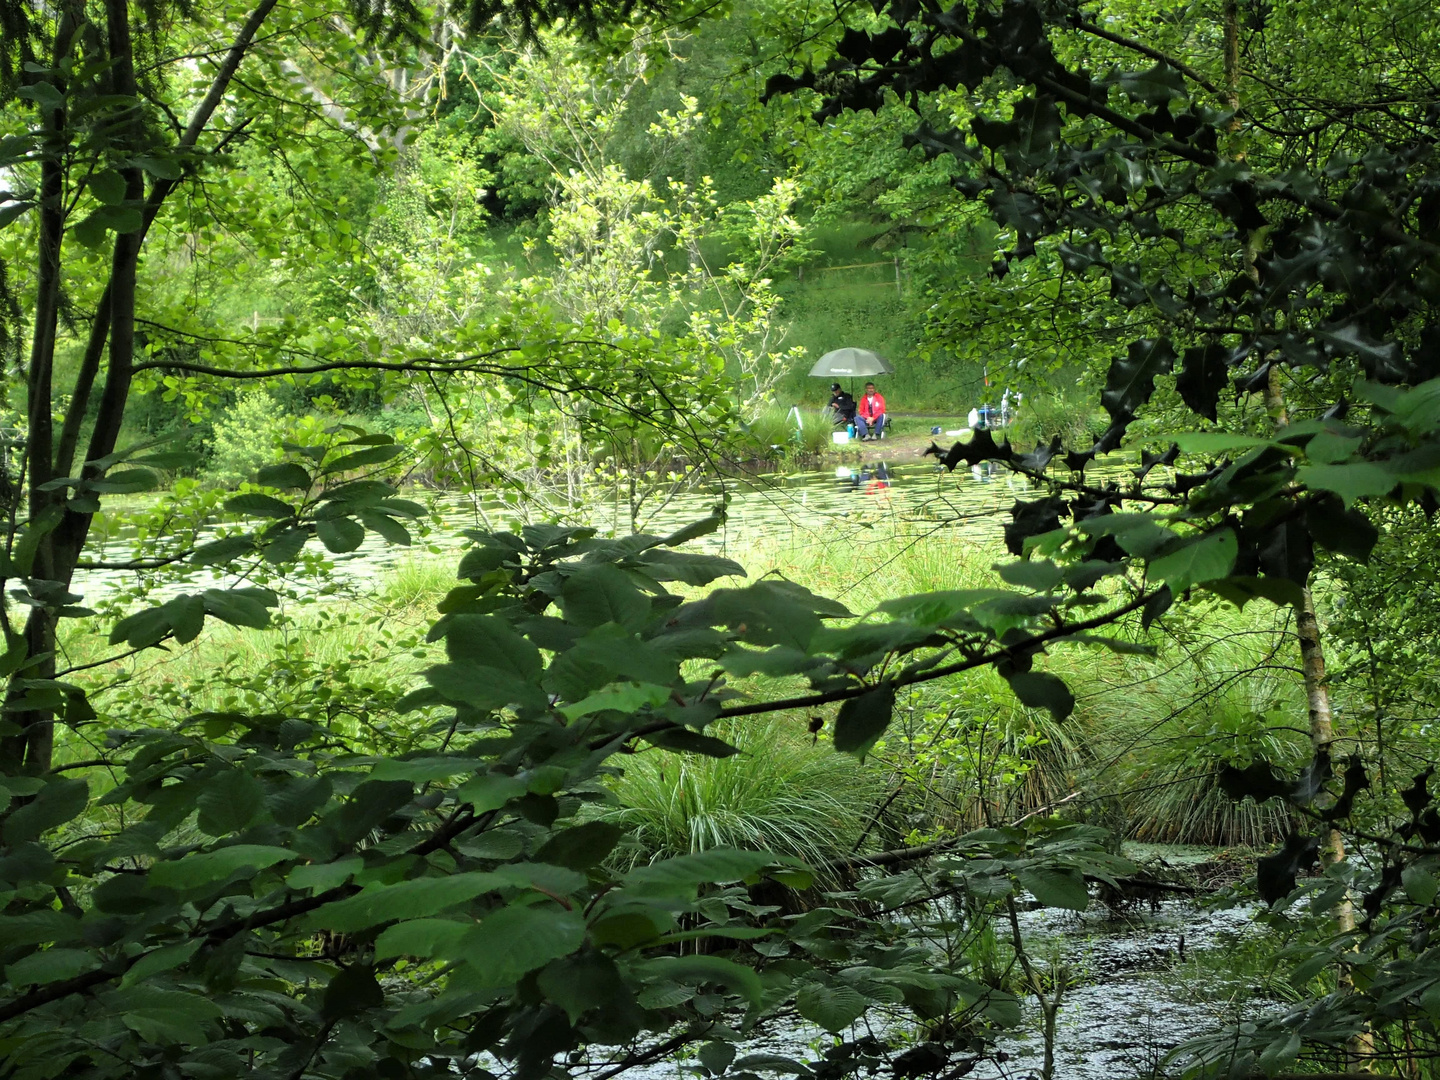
(872, 405)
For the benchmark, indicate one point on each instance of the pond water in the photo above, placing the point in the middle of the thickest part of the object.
(1128, 1004)
(867, 499)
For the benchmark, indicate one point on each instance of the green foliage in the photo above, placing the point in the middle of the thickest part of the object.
(297, 870)
(447, 861)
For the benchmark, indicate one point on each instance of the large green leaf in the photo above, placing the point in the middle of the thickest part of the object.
(1041, 575)
(689, 567)
(340, 534)
(581, 846)
(1056, 887)
(603, 594)
(515, 940)
(834, 1008)
(210, 866)
(484, 687)
(688, 970)
(415, 899)
(490, 791)
(229, 802)
(1203, 559)
(422, 938)
(159, 961)
(240, 607)
(627, 698)
(426, 768)
(60, 800)
(607, 654)
(50, 965)
(773, 612)
(287, 476)
(168, 1017)
(1351, 481)
(489, 641)
(685, 873)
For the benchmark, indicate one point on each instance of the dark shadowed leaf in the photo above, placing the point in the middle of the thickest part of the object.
(351, 992)
(1131, 379)
(1204, 373)
(59, 801)
(698, 970)
(287, 477)
(229, 802)
(862, 720)
(515, 940)
(1041, 690)
(1275, 874)
(580, 847)
(375, 455)
(1341, 530)
(1257, 780)
(209, 866)
(691, 742)
(717, 1056)
(255, 504)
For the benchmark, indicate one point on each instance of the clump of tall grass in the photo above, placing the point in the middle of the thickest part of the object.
(1160, 730)
(1146, 739)
(781, 793)
(417, 582)
(778, 432)
(1040, 417)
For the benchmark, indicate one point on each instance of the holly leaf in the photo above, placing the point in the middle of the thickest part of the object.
(1130, 381)
(1203, 375)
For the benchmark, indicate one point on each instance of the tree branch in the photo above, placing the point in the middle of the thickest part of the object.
(1145, 50)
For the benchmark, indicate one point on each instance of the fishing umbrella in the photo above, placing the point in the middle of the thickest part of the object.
(851, 362)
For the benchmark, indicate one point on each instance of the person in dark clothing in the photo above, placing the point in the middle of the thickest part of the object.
(842, 406)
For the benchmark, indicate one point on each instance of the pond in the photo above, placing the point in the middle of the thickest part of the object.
(867, 499)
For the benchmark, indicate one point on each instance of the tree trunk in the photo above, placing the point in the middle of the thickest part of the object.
(33, 739)
(114, 322)
(1312, 652)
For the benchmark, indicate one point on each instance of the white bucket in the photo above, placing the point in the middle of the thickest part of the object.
(840, 438)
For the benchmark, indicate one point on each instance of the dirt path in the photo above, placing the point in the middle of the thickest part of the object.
(906, 440)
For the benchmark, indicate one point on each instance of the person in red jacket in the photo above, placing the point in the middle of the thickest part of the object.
(870, 413)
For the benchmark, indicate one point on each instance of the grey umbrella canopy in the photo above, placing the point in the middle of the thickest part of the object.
(851, 362)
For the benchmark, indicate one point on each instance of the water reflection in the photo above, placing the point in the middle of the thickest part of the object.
(872, 478)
